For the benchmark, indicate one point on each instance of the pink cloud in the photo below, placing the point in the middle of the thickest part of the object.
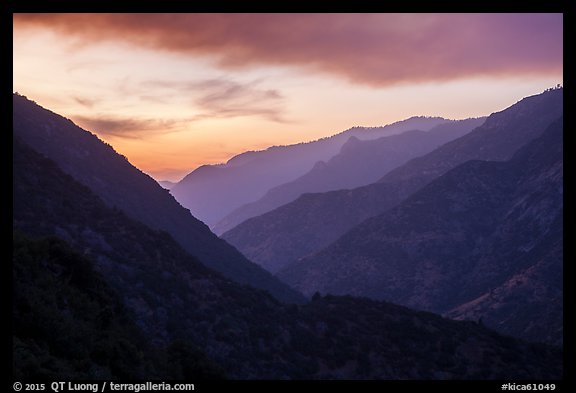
(374, 49)
(228, 98)
(127, 127)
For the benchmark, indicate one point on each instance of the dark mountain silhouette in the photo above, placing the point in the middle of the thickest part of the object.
(120, 185)
(357, 164)
(211, 192)
(314, 221)
(482, 240)
(178, 304)
(68, 323)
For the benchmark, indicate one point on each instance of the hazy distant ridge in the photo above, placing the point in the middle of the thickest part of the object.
(213, 191)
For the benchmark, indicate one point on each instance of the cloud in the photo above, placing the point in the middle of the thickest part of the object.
(211, 98)
(226, 98)
(222, 98)
(128, 127)
(87, 102)
(373, 49)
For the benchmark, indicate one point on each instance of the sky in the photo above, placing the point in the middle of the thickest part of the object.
(172, 92)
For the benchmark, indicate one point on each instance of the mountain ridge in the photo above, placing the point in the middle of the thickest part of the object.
(95, 164)
(358, 163)
(313, 221)
(213, 191)
(171, 296)
(454, 240)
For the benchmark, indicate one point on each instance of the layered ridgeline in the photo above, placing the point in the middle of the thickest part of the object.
(314, 221)
(357, 164)
(166, 184)
(95, 164)
(190, 317)
(484, 240)
(211, 192)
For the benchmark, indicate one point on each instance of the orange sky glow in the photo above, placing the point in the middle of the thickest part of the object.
(175, 91)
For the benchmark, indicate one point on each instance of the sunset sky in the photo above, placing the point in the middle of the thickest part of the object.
(172, 92)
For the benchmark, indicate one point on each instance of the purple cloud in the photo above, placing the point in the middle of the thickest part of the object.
(374, 49)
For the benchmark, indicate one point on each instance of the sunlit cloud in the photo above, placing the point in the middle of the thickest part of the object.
(209, 99)
(87, 102)
(224, 98)
(128, 127)
(373, 49)
(176, 91)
